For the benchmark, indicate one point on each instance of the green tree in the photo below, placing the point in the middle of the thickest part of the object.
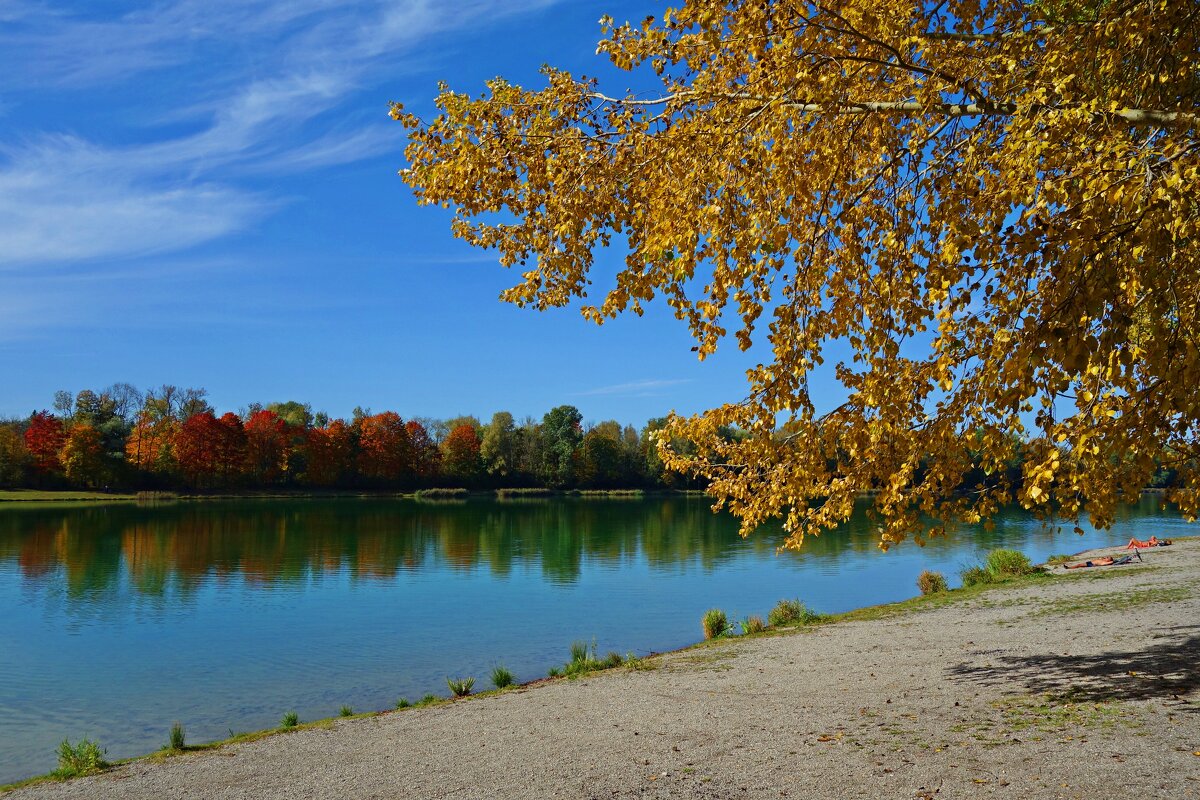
(561, 433)
(499, 445)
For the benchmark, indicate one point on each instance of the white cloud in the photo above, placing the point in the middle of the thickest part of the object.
(263, 85)
(643, 388)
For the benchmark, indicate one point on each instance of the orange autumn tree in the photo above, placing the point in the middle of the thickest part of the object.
(988, 211)
(460, 453)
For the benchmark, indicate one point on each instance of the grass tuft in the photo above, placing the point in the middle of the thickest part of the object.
(346, 711)
(290, 720)
(976, 576)
(753, 625)
(1009, 564)
(931, 582)
(403, 703)
(460, 687)
(715, 623)
(84, 758)
(428, 700)
(176, 739)
(501, 677)
(787, 612)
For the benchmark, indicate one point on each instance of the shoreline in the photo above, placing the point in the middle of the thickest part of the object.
(711, 656)
(20, 497)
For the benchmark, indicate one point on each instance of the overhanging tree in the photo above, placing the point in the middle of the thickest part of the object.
(991, 207)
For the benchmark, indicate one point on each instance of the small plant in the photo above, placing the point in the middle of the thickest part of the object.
(290, 720)
(502, 677)
(753, 624)
(976, 576)
(402, 703)
(613, 659)
(460, 687)
(1058, 558)
(637, 663)
(785, 612)
(346, 711)
(931, 582)
(1009, 564)
(79, 759)
(715, 623)
(428, 700)
(176, 740)
(555, 672)
(580, 651)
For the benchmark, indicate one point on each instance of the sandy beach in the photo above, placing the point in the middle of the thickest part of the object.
(1085, 686)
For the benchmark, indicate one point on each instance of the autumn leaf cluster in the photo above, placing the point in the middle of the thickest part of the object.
(991, 208)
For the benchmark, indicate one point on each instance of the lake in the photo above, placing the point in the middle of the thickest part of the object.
(117, 620)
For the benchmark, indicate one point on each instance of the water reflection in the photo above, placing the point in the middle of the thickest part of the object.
(177, 549)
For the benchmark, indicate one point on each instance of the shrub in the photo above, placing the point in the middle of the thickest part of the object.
(176, 740)
(784, 612)
(403, 703)
(460, 687)
(789, 611)
(976, 576)
(714, 622)
(1008, 563)
(502, 677)
(80, 759)
(290, 720)
(346, 711)
(931, 582)
(753, 624)
(637, 663)
(613, 659)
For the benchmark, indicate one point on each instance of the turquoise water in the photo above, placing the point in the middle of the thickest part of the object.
(116, 621)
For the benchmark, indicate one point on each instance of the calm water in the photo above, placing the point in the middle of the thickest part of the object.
(117, 620)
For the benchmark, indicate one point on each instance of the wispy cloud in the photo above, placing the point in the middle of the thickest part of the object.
(263, 87)
(644, 388)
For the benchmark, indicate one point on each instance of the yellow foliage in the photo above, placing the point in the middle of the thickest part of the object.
(992, 207)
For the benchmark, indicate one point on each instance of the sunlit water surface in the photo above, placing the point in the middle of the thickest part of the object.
(117, 620)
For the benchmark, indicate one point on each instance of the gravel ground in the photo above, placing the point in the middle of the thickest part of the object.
(1081, 687)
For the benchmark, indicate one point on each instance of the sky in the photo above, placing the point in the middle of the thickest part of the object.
(204, 193)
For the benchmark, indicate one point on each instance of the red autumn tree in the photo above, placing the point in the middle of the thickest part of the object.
(268, 439)
(44, 439)
(460, 453)
(328, 454)
(196, 448)
(385, 452)
(231, 449)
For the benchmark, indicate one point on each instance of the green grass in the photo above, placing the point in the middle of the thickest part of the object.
(1009, 564)
(1125, 600)
(290, 720)
(460, 687)
(585, 660)
(75, 760)
(175, 740)
(502, 677)
(429, 700)
(345, 711)
(441, 494)
(715, 623)
(752, 625)
(25, 495)
(403, 703)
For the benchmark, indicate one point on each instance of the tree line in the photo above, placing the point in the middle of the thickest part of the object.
(171, 438)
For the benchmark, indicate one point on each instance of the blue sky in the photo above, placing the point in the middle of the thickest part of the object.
(204, 193)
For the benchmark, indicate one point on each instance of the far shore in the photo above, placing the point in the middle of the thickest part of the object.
(1079, 683)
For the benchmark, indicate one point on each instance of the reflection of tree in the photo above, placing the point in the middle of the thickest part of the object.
(170, 552)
